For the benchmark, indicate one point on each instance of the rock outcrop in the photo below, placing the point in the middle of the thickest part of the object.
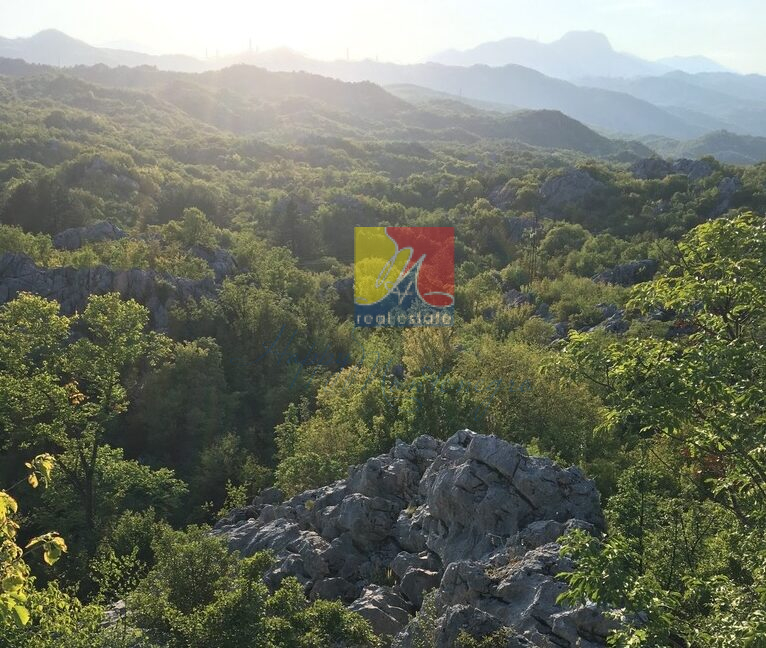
(653, 168)
(221, 261)
(572, 187)
(727, 189)
(76, 237)
(656, 168)
(71, 287)
(628, 274)
(695, 169)
(503, 196)
(474, 519)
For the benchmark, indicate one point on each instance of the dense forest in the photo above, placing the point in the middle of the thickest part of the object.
(176, 263)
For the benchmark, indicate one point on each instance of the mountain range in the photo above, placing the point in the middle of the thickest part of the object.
(576, 54)
(617, 95)
(297, 107)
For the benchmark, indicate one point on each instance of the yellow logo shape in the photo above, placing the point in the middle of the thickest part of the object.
(379, 264)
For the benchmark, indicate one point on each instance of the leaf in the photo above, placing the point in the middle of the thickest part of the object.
(21, 615)
(8, 502)
(53, 550)
(12, 583)
(32, 479)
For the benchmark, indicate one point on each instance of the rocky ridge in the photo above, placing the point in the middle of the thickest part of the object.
(473, 518)
(71, 287)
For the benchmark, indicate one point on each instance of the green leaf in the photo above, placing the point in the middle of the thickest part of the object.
(20, 614)
(13, 583)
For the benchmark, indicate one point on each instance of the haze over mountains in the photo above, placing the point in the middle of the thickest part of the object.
(665, 103)
(576, 54)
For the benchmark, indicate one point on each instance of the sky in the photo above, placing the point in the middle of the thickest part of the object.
(402, 31)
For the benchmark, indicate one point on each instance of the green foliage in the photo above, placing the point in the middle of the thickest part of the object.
(193, 229)
(685, 549)
(16, 583)
(267, 379)
(231, 606)
(498, 639)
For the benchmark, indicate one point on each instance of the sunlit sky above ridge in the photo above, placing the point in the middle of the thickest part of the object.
(730, 32)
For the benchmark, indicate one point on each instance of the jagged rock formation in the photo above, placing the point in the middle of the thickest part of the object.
(629, 274)
(221, 261)
(727, 189)
(76, 237)
(653, 168)
(503, 196)
(695, 169)
(572, 187)
(71, 287)
(656, 168)
(474, 517)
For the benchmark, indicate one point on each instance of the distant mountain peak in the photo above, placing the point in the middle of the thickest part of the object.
(51, 36)
(575, 55)
(592, 39)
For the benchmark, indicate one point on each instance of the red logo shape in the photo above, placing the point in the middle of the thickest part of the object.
(434, 249)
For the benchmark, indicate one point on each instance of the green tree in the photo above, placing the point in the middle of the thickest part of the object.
(695, 404)
(67, 396)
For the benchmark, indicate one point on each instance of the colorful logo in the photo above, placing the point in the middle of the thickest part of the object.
(404, 276)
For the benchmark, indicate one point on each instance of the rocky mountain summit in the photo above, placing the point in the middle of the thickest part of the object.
(473, 518)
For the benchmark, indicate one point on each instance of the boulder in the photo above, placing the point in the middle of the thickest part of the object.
(386, 611)
(417, 581)
(76, 237)
(515, 298)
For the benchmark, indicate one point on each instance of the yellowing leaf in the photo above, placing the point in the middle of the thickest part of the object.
(53, 550)
(12, 583)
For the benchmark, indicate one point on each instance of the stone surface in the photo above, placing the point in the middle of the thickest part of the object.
(76, 237)
(572, 187)
(220, 261)
(653, 168)
(474, 519)
(71, 287)
(695, 169)
(727, 188)
(503, 196)
(628, 274)
(386, 611)
(515, 297)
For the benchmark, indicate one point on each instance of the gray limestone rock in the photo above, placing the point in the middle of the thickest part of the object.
(628, 274)
(72, 287)
(572, 187)
(76, 237)
(474, 519)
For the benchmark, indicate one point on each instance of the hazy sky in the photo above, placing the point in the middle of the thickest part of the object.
(731, 32)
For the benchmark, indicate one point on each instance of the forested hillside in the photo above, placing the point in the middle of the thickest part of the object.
(176, 290)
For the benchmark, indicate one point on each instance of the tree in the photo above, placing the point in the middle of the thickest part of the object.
(694, 403)
(193, 229)
(67, 396)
